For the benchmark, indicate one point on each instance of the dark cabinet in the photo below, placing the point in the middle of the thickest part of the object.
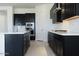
(16, 44)
(21, 19)
(32, 37)
(71, 45)
(55, 44)
(29, 17)
(26, 42)
(52, 10)
(55, 14)
(66, 11)
(50, 40)
(64, 45)
(77, 8)
(9, 45)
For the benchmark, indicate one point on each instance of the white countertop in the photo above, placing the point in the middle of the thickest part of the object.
(66, 33)
(14, 32)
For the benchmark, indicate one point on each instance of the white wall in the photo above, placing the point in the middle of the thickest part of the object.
(43, 21)
(24, 10)
(2, 45)
(3, 21)
(70, 25)
(74, 25)
(9, 11)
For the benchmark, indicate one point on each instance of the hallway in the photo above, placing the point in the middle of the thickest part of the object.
(39, 48)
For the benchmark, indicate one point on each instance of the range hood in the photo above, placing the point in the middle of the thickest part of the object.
(58, 8)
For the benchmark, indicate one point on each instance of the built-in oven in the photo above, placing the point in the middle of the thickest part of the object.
(30, 27)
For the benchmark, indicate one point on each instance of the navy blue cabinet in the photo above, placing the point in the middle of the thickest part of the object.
(55, 14)
(21, 19)
(9, 45)
(66, 11)
(16, 44)
(64, 45)
(55, 44)
(26, 42)
(71, 46)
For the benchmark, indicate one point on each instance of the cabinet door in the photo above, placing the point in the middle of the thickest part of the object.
(18, 44)
(72, 9)
(71, 46)
(52, 10)
(59, 47)
(58, 39)
(19, 19)
(69, 10)
(62, 5)
(9, 45)
(77, 8)
(51, 40)
(29, 17)
(14, 44)
(59, 16)
(26, 40)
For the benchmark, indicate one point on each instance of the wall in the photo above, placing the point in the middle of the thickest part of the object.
(70, 25)
(9, 11)
(2, 45)
(3, 21)
(43, 21)
(73, 25)
(24, 10)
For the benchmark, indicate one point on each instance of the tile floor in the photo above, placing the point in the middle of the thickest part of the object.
(39, 48)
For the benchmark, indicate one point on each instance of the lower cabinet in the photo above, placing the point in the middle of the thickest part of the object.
(32, 37)
(64, 45)
(16, 44)
(59, 47)
(55, 44)
(26, 42)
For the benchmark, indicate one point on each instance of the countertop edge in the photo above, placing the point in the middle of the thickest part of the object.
(65, 34)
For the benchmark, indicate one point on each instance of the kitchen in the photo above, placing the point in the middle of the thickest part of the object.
(47, 18)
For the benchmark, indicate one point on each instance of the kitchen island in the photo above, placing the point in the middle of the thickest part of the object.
(64, 43)
(14, 43)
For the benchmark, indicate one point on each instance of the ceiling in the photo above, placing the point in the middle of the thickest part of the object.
(20, 5)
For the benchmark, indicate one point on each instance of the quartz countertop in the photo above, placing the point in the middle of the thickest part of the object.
(14, 32)
(66, 33)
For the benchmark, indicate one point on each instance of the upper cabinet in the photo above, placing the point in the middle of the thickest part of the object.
(21, 19)
(63, 11)
(55, 13)
(67, 10)
(77, 8)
